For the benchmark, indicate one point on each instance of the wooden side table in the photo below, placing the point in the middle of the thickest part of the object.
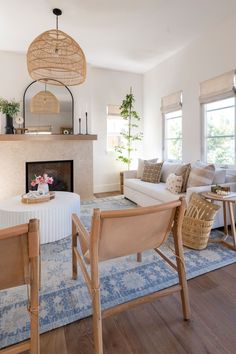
(227, 202)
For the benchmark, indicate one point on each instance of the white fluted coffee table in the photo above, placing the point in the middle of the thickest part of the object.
(54, 215)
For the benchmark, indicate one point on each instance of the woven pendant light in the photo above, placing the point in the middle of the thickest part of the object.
(55, 55)
(44, 102)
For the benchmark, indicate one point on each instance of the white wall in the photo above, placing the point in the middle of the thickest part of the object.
(101, 87)
(208, 56)
(109, 87)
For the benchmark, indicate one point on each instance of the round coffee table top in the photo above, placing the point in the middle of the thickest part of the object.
(54, 215)
(14, 204)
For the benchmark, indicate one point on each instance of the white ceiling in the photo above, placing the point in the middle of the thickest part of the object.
(132, 35)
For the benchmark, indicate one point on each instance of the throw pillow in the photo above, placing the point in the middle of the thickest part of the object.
(174, 183)
(152, 172)
(141, 166)
(219, 177)
(201, 175)
(184, 171)
(168, 168)
(230, 176)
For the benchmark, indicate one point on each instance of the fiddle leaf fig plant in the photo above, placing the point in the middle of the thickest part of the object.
(130, 134)
(10, 108)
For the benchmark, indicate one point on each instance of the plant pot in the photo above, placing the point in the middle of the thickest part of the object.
(9, 129)
(43, 188)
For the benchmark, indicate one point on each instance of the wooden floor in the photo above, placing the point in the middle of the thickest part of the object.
(106, 194)
(158, 327)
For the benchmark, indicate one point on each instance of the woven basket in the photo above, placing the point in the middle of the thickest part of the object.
(198, 222)
(196, 232)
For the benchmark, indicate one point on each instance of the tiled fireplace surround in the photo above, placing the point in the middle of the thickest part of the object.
(14, 155)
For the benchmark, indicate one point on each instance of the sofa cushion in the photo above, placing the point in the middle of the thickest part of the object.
(201, 175)
(219, 177)
(153, 190)
(184, 171)
(152, 172)
(230, 176)
(168, 168)
(174, 183)
(141, 166)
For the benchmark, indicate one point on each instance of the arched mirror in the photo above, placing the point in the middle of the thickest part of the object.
(48, 109)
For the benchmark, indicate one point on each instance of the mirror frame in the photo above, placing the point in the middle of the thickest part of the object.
(61, 84)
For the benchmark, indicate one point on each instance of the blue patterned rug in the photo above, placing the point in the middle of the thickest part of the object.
(63, 300)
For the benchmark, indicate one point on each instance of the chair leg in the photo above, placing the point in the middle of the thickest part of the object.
(182, 278)
(184, 291)
(139, 257)
(97, 322)
(74, 244)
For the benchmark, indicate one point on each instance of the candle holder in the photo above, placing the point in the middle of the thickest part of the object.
(80, 126)
(86, 122)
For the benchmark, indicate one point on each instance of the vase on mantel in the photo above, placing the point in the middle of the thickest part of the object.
(9, 129)
(43, 188)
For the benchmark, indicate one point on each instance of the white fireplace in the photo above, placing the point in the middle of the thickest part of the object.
(15, 154)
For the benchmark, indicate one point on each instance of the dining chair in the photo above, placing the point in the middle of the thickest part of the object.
(118, 233)
(19, 262)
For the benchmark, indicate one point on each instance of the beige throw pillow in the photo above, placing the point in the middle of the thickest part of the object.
(184, 171)
(141, 166)
(201, 175)
(168, 168)
(152, 172)
(174, 183)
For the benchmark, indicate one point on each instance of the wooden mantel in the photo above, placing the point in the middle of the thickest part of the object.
(46, 137)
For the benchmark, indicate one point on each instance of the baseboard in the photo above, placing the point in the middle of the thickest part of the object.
(106, 188)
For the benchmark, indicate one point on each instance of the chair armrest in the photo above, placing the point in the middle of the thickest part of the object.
(83, 234)
(130, 174)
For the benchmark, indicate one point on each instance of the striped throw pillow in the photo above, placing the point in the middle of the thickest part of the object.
(201, 175)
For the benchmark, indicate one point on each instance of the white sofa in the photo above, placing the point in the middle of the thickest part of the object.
(145, 193)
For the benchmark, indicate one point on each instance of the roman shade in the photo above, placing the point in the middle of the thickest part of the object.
(220, 87)
(171, 102)
(113, 110)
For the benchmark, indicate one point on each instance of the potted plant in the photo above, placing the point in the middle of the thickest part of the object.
(130, 134)
(10, 108)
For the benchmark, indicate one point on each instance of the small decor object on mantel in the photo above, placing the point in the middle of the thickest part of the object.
(42, 182)
(10, 108)
(66, 131)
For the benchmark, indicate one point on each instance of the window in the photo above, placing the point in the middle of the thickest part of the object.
(173, 135)
(115, 125)
(171, 107)
(219, 131)
(217, 97)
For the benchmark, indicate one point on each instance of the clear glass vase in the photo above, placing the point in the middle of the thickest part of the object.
(43, 188)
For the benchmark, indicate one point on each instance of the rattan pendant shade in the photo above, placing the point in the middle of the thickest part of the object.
(55, 55)
(44, 102)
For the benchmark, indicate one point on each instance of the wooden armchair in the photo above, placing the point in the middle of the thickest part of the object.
(19, 264)
(123, 232)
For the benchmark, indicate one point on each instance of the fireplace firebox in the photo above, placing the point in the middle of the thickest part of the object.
(61, 171)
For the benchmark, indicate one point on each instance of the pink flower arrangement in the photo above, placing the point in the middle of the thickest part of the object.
(41, 179)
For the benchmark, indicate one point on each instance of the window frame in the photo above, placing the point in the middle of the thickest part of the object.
(204, 131)
(164, 145)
